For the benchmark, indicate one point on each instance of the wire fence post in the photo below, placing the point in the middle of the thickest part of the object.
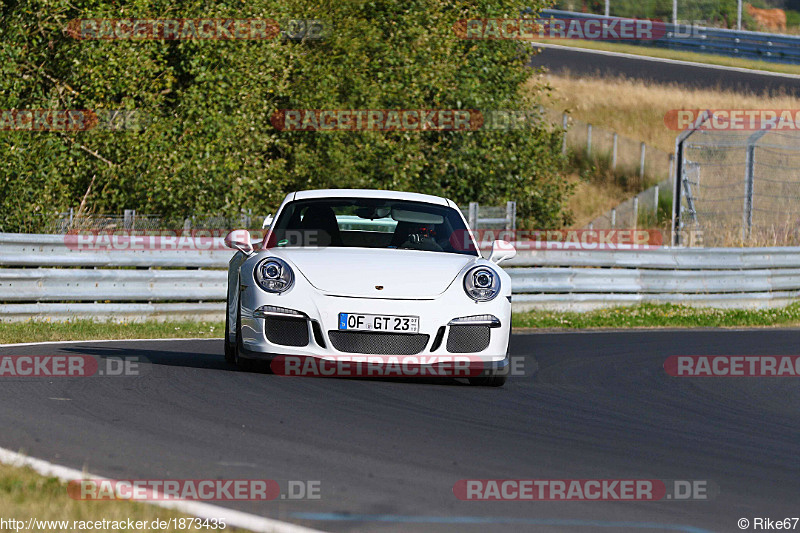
(680, 140)
(614, 140)
(613, 218)
(564, 123)
(127, 220)
(747, 215)
(671, 164)
(749, 171)
(655, 202)
(473, 215)
(511, 216)
(588, 139)
(642, 151)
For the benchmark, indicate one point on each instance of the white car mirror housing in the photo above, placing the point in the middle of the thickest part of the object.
(502, 250)
(239, 240)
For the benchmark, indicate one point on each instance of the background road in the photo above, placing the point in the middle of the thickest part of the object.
(387, 453)
(588, 63)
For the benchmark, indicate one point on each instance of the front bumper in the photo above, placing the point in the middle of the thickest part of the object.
(311, 327)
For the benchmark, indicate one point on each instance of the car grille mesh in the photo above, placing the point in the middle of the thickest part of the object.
(286, 331)
(468, 339)
(364, 342)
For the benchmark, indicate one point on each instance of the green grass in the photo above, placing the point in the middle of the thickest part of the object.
(681, 55)
(646, 315)
(24, 494)
(660, 316)
(40, 331)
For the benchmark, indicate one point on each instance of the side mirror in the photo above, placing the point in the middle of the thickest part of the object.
(502, 250)
(239, 240)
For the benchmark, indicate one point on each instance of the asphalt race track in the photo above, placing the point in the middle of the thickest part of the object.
(583, 63)
(387, 453)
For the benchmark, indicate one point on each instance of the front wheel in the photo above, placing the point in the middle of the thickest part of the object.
(244, 364)
(230, 348)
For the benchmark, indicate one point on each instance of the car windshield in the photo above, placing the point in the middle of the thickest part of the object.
(371, 223)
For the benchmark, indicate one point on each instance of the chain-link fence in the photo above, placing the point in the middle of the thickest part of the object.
(647, 210)
(739, 188)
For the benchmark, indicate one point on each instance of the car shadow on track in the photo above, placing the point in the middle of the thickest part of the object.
(215, 361)
(183, 358)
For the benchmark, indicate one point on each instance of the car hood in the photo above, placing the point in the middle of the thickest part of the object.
(402, 274)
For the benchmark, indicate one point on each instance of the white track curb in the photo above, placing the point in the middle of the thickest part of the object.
(232, 518)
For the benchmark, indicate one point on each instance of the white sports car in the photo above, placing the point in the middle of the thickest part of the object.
(349, 273)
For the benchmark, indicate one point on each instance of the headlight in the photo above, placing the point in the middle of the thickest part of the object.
(274, 275)
(482, 284)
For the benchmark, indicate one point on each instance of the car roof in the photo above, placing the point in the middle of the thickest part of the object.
(372, 193)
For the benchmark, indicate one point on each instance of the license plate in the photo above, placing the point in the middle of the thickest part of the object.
(388, 323)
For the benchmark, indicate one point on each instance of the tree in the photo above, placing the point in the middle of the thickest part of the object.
(205, 143)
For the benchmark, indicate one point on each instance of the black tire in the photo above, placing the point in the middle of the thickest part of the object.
(244, 364)
(230, 349)
(495, 380)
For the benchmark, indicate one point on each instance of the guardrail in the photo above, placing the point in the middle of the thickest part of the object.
(733, 43)
(135, 285)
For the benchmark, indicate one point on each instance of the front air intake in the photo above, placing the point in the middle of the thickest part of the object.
(287, 331)
(364, 342)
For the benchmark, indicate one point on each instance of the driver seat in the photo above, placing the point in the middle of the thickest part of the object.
(321, 220)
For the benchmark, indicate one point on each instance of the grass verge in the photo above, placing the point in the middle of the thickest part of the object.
(660, 316)
(24, 494)
(635, 109)
(666, 53)
(41, 331)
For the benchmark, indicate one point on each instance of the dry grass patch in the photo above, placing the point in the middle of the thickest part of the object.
(590, 199)
(636, 109)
